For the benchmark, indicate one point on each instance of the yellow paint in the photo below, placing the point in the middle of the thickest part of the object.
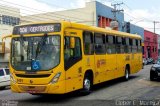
(104, 67)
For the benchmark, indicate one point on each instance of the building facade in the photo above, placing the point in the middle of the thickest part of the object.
(104, 16)
(134, 29)
(159, 46)
(9, 17)
(150, 45)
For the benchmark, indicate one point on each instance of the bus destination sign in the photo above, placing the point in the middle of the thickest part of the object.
(36, 28)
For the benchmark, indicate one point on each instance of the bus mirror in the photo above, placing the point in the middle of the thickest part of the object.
(2, 44)
(72, 42)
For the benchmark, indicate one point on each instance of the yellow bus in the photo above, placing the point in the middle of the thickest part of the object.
(60, 57)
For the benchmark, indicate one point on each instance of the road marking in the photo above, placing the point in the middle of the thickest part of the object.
(148, 82)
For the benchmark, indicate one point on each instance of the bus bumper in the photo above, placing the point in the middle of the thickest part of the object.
(56, 88)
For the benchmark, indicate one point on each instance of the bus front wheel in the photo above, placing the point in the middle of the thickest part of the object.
(87, 83)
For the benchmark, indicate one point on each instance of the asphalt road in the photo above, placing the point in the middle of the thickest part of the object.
(139, 90)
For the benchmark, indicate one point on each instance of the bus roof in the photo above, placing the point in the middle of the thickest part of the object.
(98, 29)
(68, 24)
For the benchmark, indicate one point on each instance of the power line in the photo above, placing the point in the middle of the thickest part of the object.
(144, 19)
(40, 17)
(50, 3)
(133, 16)
(41, 10)
(16, 11)
(12, 11)
(127, 6)
(152, 28)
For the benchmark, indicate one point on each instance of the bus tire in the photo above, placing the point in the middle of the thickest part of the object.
(87, 84)
(126, 76)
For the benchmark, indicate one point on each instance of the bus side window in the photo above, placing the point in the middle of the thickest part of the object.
(119, 48)
(134, 47)
(127, 47)
(130, 45)
(124, 45)
(110, 44)
(100, 47)
(139, 46)
(77, 49)
(88, 43)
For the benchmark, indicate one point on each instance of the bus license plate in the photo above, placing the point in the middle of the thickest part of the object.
(32, 91)
(158, 74)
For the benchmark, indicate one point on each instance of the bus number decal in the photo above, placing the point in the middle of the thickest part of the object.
(19, 80)
(101, 62)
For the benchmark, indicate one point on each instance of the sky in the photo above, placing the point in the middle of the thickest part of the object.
(138, 12)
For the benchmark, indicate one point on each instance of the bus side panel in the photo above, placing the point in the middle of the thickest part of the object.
(134, 61)
(74, 77)
(101, 68)
(111, 66)
(89, 64)
(138, 62)
(120, 65)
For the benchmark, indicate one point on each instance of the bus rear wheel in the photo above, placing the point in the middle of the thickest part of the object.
(126, 77)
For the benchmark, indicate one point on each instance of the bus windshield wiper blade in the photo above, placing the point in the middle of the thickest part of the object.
(21, 47)
(40, 45)
(21, 40)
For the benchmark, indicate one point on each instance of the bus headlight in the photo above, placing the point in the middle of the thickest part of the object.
(55, 78)
(12, 78)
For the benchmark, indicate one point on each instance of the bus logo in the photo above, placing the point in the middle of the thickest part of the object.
(31, 81)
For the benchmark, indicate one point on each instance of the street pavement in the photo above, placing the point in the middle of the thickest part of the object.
(139, 90)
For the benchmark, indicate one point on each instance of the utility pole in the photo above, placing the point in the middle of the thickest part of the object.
(155, 22)
(115, 10)
(114, 24)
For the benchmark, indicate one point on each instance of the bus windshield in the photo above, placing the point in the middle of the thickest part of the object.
(45, 50)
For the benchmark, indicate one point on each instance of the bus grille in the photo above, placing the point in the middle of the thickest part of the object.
(33, 76)
(35, 89)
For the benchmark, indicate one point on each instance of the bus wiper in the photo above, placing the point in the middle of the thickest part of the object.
(21, 40)
(40, 45)
(21, 46)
